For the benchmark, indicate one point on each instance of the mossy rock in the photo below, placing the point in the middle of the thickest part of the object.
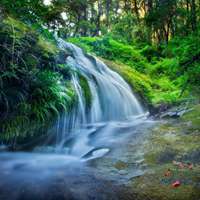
(86, 90)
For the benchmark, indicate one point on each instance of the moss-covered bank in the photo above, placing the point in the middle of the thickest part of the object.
(34, 84)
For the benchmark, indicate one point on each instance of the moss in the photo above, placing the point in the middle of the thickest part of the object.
(86, 89)
(193, 117)
(47, 46)
(140, 83)
(170, 136)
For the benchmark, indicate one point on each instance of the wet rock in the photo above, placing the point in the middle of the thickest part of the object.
(175, 114)
(63, 56)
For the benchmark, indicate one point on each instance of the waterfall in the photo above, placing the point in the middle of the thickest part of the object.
(112, 99)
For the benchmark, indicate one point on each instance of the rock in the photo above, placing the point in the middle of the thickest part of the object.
(63, 56)
(175, 114)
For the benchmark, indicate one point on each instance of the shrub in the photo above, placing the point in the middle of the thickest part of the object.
(32, 89)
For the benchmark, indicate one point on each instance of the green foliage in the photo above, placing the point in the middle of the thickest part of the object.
(86, 43)
(140, 83)
(25, 10)
(155, 51)
(111, 49)
(188, 53)
(165, 91)
(86, 90)
(150, 73)
(151, 53)
(122, 30)
(165, 66)
(32, 89)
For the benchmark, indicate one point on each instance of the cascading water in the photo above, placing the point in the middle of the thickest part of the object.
(113, 121)
(112, 101)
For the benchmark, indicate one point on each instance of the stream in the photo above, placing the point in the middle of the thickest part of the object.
(89, 142)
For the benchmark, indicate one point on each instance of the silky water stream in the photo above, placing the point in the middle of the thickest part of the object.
(104, 129)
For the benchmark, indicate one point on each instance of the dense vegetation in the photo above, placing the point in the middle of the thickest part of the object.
(33, 88)
(159, 77)
(153, 44)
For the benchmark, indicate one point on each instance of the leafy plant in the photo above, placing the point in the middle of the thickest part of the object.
(32, 89)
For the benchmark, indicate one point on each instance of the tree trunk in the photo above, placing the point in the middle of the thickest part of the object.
(98, 19)
(108, 5)
(149, 9)
(136, 9)
(193, 15)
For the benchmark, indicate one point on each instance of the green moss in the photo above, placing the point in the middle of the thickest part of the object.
(140, 83)
(180, 136)
(194, 117)
(171, 138)
(47, 46)
(86, 89)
